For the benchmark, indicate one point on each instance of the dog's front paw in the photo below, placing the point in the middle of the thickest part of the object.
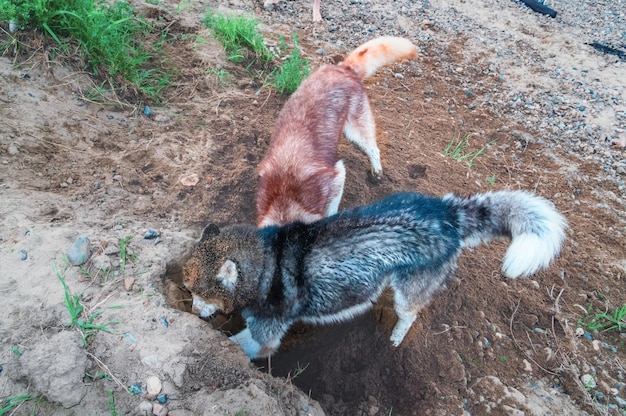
(249, 346)
(396, 341)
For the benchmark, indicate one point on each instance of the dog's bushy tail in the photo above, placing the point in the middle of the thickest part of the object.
(367, 58)
(535, 226)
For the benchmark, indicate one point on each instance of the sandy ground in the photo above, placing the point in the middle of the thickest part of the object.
(71, 168)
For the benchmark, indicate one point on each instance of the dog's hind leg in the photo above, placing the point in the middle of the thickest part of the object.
(413, 292)
(360, 129)
(336, 188)
(406, 316)
(317, 16)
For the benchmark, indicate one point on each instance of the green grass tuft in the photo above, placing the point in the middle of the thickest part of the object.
(108, 34)
(604, 321)
(238, 35)
(290, 74)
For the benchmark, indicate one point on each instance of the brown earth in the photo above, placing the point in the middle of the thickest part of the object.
(71, 167)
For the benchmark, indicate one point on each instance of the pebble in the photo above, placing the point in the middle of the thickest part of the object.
(159, 410)
(129, 282)
(130, 338)
(101, 262)
(135, 388)
(79, 252)
(527, 367)
(190, 180)
(153, 385)
(145, 408)
(588, 381)
(620, 402)
(150, 234)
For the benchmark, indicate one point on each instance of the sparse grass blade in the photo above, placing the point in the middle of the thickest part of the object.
(457, 149)
(16, 401)
(79, 317)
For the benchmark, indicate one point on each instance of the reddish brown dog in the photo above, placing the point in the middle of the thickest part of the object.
(301, 178)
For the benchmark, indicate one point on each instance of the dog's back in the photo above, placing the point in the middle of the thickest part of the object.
(301, 178)
(297, 176)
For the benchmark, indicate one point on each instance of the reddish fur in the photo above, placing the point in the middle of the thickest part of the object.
(297, 173)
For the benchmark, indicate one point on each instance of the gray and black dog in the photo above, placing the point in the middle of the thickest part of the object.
(333, 269)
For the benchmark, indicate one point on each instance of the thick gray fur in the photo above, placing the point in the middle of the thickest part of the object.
(333, 269)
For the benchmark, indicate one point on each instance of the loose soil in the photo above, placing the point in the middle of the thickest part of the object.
(71, 167)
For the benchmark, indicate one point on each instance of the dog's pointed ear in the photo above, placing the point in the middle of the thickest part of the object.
(209, 231)
(228, 275)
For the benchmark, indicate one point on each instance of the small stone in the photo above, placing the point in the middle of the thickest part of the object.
(79, 252)
(158, 410)
(112, 250)
(620, 402)
(130, 338)
(101, 262)
(321, 52)
(150, 234)
(129, 282)
(145, 408)
(398, 76)
(580, 332)
(527, 367)
(135, 389)
(190, 180)
(154, 385)
(588, 381)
